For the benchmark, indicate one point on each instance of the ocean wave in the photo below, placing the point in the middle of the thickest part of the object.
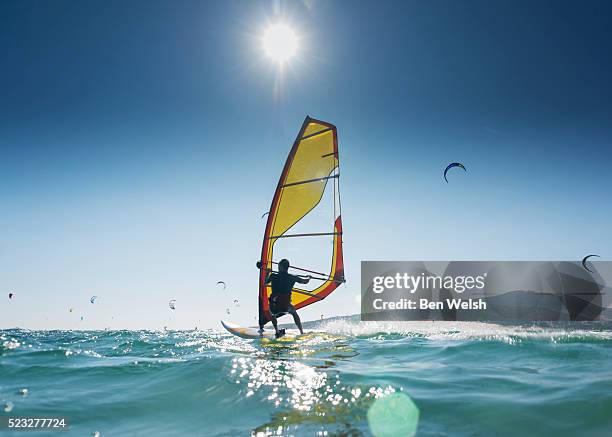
(467, 379)
(444, 330)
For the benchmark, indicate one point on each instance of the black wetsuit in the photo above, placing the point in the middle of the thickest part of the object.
(282, 284)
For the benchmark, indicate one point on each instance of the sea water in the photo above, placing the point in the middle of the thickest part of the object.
(466, 379)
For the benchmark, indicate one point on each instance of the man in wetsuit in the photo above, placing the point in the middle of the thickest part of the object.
(280, 299)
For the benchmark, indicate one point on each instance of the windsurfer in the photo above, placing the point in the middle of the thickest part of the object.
(280, 299)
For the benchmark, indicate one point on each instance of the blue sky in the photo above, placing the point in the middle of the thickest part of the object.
(140, 142)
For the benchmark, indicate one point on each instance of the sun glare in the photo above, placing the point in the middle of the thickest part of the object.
(280, 43)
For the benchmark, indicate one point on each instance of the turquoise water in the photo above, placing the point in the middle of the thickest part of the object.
(467, 379)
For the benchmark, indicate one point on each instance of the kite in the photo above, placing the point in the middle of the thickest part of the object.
(236, 302)
(584, 260)
(10, 295)
(171, 304)
(265, 214)
(451, 165)
(71, 309)
(93, 299)
(222, 283)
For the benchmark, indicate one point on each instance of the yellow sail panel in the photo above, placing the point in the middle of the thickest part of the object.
(314, 158)
(314, 126)
(305, 181)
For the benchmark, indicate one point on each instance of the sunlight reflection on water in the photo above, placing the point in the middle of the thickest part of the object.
(299, 381)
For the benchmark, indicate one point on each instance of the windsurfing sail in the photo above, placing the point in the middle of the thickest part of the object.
(311, 171)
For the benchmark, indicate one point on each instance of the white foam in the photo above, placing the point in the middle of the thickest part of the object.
(443, 330)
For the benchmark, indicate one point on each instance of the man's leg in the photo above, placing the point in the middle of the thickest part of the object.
(296, 318)
(272, 301)
(273, 320)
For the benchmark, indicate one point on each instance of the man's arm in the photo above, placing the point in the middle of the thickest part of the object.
(268, 276)
(303, 279)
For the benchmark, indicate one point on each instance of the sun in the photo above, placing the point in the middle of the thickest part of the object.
(280, 43)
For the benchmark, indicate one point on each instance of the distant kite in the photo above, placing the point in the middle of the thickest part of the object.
(93, 299)
(264, 214)
(451, 165)
(81, 317)
(223, 284)
(71, 309)
(10, 295)
(584, 260)
(171, 304)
